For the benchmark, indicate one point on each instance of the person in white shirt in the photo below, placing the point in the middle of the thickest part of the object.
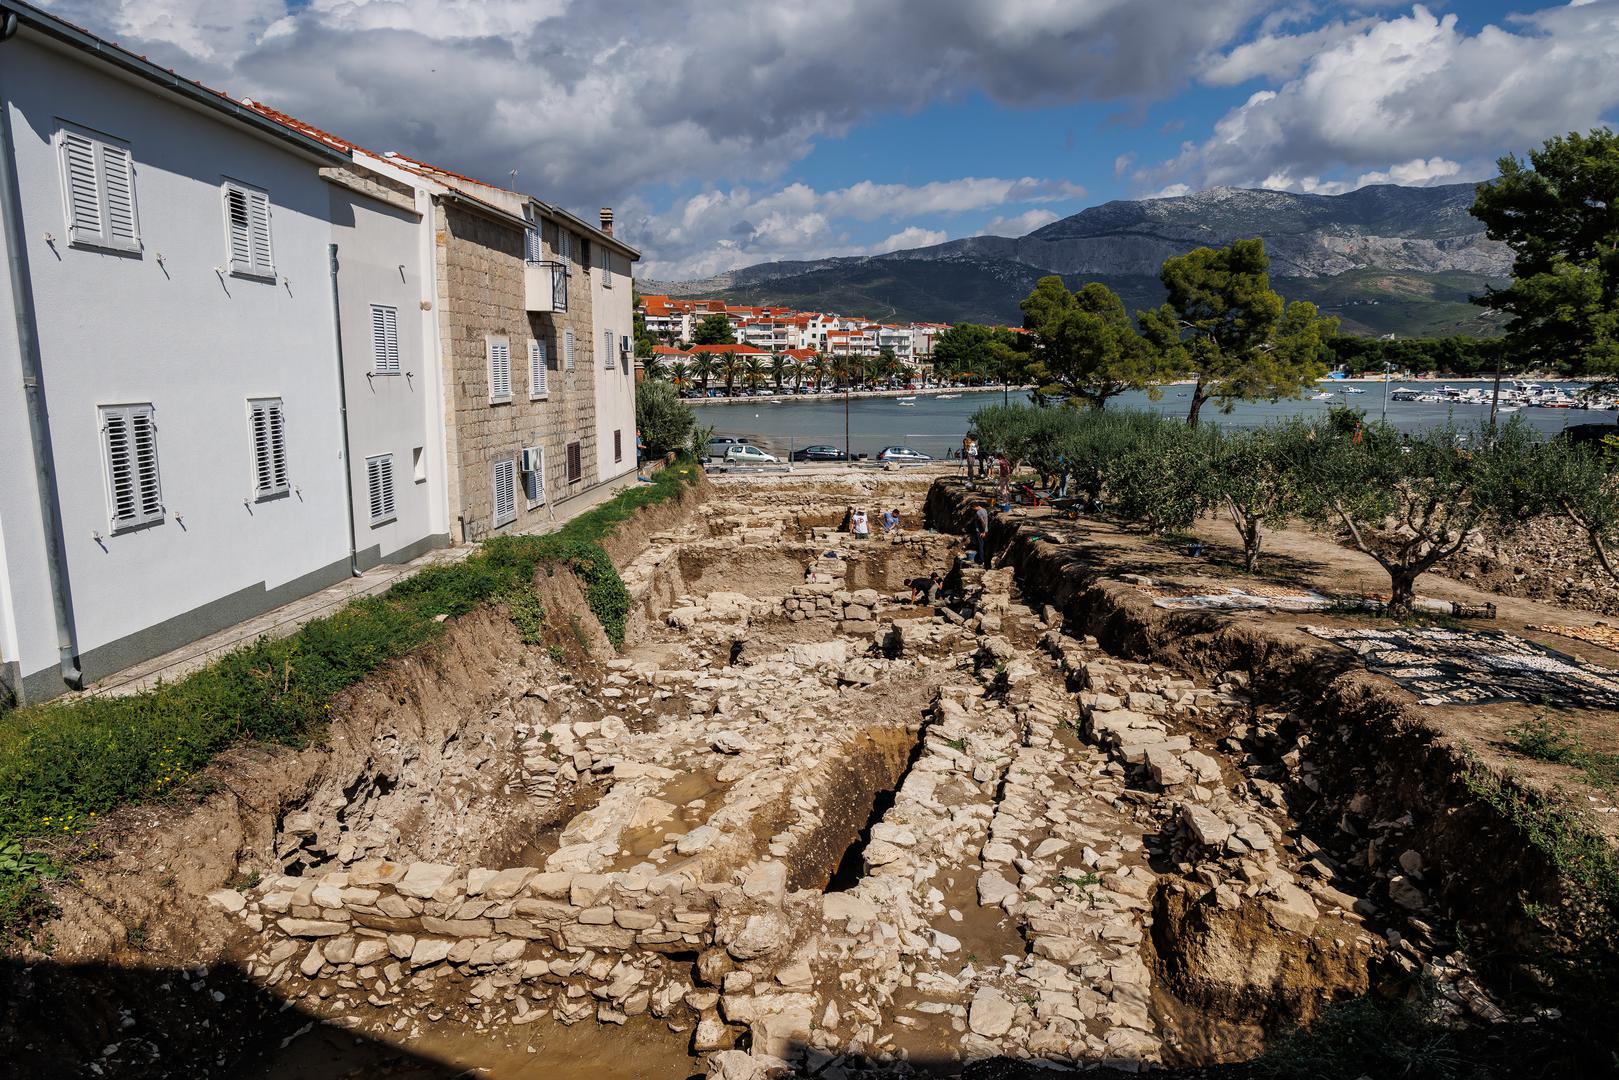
(858, 525)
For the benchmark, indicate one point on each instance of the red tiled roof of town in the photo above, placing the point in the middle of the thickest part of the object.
(799, 354)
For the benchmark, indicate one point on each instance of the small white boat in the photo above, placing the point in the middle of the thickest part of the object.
(947, 397)
(904, 401)
(1321, 397)
(1353, 390)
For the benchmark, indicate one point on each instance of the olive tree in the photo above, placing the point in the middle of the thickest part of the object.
(1412, 501)
(1253, 480)
(664, 421)
(1163, 476)
(1582, 484)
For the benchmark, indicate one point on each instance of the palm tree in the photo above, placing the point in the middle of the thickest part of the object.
(730, 366)
(703, 367)
(679, 374)
(815, 367)
(753, 372)
(779, 366)
(652, 367)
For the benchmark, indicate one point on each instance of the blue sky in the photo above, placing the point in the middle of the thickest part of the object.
(731, 132)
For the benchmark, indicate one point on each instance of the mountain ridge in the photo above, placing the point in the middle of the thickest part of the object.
(1423, 239)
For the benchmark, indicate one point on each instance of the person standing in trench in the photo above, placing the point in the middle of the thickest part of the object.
(980, 529)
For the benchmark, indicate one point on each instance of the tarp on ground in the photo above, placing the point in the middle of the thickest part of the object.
(1477, 667)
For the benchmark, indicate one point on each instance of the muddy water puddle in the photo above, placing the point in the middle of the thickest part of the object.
(637, 1050)
(693, 796)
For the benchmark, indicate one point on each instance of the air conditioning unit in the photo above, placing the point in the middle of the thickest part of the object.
(624, 346)
(533, 459)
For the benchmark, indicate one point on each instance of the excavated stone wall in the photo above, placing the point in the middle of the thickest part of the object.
(1381, 792)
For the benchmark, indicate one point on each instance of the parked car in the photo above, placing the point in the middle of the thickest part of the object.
(746, 454)
(819, 453)
(902, 455)
(717, 445)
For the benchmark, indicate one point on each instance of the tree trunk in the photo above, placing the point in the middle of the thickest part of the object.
(1198, 398)
(1403, 593)
(1250, 546)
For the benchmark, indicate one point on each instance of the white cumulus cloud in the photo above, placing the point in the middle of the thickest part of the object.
(1409, 99)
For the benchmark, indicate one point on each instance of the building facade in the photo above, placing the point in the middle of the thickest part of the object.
(169, 469)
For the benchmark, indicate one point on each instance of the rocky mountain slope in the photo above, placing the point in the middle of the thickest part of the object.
(1408, 249)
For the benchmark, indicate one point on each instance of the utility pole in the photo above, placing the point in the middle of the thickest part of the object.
(1388, 369)
(848, 450)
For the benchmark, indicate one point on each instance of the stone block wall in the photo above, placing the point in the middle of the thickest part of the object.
(571, 415)
(481, 293)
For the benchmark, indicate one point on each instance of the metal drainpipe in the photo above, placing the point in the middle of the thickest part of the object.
(343, 415)
(22, 299)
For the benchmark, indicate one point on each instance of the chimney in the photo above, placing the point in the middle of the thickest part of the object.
(607, 220)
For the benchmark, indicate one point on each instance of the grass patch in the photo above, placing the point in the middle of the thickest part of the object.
(63, 764)
(1543, 740)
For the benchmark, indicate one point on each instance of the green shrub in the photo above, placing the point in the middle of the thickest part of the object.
(62, 764)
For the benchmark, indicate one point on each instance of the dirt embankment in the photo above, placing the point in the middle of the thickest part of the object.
(1551, 560)
(424, 760)
(1383, 784)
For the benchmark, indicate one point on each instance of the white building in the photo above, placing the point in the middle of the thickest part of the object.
(613, 313)
(170, 471)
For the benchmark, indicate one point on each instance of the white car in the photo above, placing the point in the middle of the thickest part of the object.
(902, 455)
(747, 454)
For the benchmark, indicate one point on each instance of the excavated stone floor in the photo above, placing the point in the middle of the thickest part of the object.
(813, 826)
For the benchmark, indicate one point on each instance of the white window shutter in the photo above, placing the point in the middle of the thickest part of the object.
(83, 190)
(567, 337)
(537, 372)
(239, 229)
(534, 478)
(505, 491)
(269, 433)
(607, 267)
(120, 466)
(385, 340)
(500, 370)
(564, 244)
(135, 491)
(379, 474)
(118, 177)
(259, 211)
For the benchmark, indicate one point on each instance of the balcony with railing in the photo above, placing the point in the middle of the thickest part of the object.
(545, 280)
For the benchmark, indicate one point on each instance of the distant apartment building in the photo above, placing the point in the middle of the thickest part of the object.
(173, 466)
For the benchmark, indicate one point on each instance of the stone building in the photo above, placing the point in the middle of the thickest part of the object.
(540, 401)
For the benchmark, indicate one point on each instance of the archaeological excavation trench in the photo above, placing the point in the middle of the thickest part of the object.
(799, 823)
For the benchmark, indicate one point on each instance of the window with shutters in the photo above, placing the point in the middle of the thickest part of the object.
(247, 231)
(504, 484)
(268, 428)
(134, 491)
(564, 245)
(537, 370)
(567, 349)
(384, 340)
(618, 444)
(98, 190)
(609, 339)
(533, 249)
(534, 476)
(500, 370)
(379, 482)
(576, 468)
(607, 267)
